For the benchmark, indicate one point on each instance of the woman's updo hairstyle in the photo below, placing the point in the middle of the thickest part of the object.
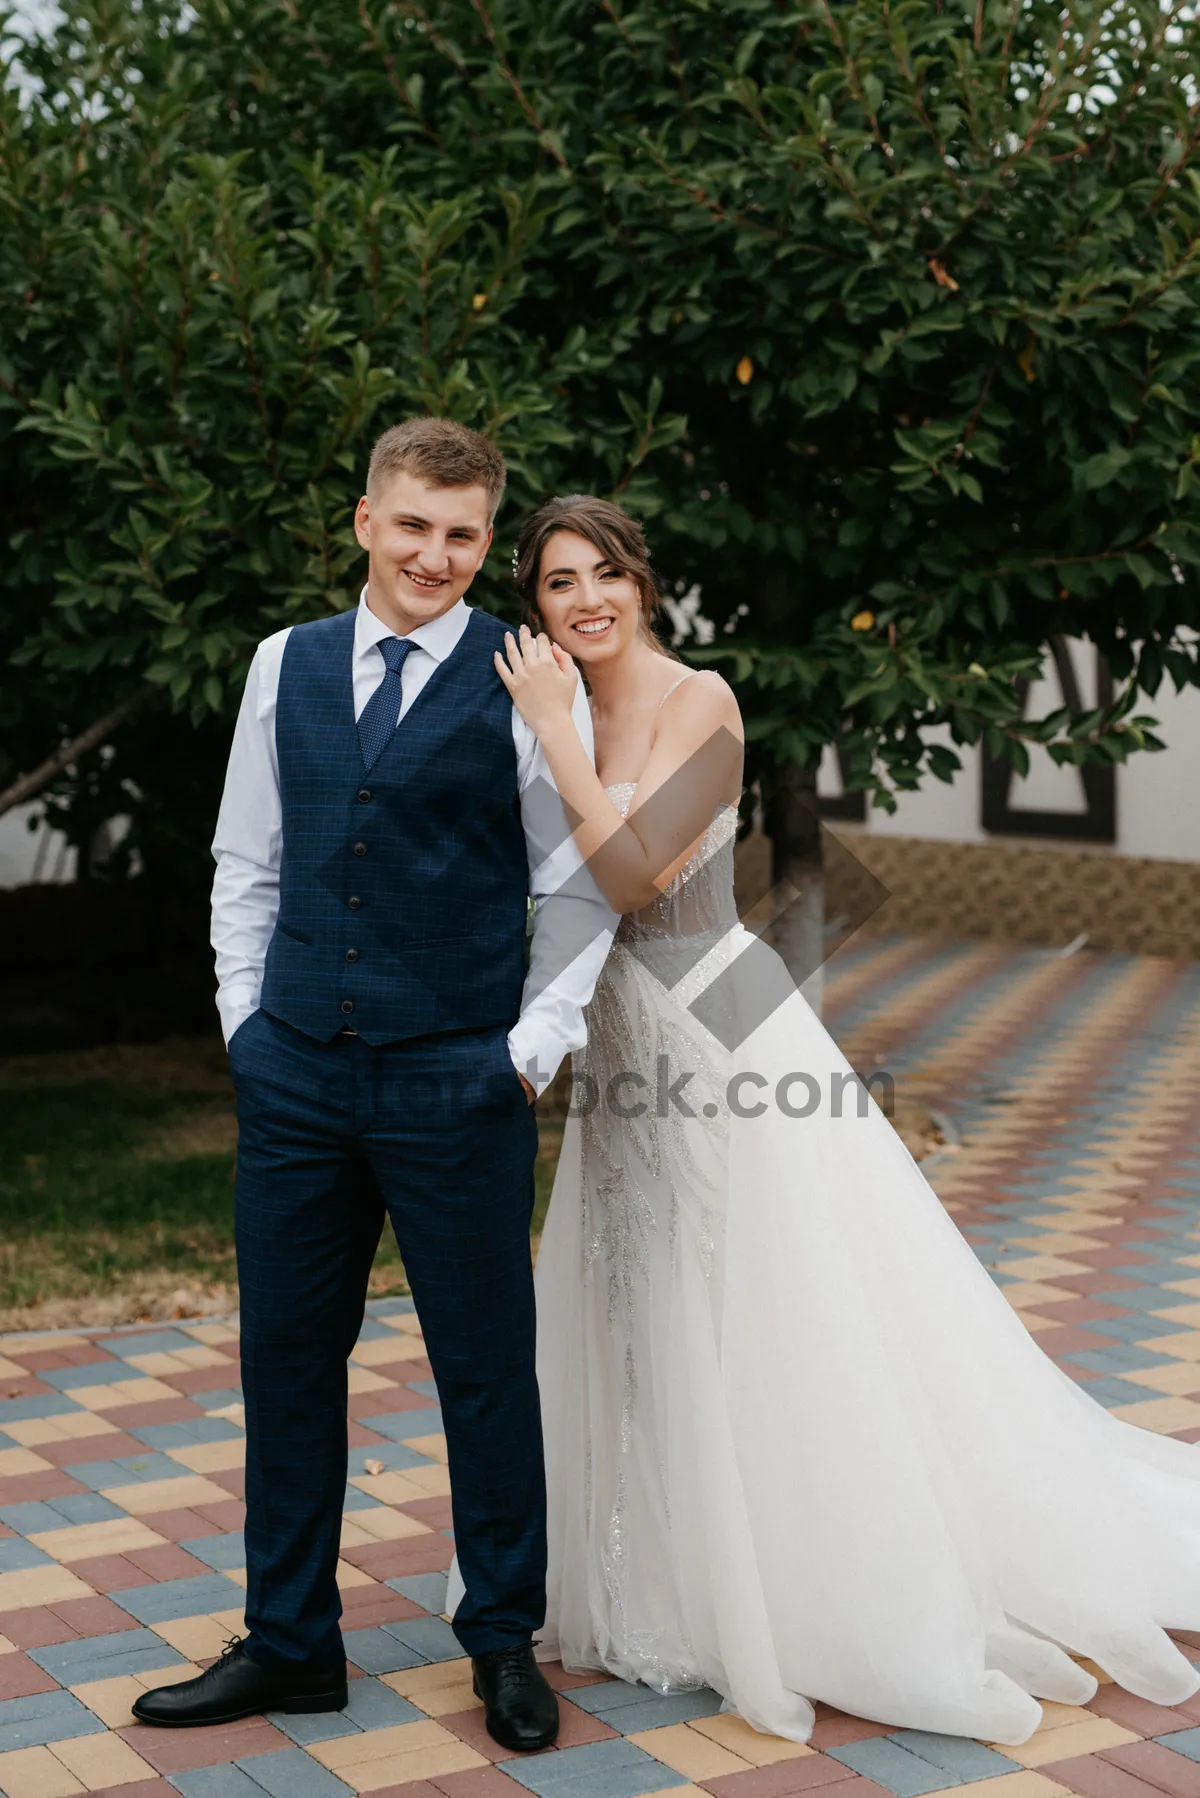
(619, 538)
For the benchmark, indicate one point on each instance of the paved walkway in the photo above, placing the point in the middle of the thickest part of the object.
(1074, 1088)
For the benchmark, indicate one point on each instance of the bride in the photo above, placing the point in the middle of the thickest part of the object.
(798, 1445)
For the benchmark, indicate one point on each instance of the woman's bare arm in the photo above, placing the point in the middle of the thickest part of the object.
(694, 764)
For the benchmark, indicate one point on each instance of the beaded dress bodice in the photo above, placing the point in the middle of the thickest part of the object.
(699, 900)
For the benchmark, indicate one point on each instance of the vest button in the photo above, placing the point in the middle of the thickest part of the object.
(364, 796)
(360, 848)
(352, 955)
(347, 1006)
(354, 902)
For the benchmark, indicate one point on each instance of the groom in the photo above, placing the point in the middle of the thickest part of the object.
(378, 840)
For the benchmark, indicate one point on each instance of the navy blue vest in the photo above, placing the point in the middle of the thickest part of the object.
(403, 891)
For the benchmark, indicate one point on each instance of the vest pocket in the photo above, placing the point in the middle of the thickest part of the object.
(297, 936)
(415, 945)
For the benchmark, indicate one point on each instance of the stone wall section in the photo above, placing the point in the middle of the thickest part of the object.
(1008, 890)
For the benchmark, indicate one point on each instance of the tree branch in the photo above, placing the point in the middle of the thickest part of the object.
(856, 87)
(531, 117)
(393, 74)
(28, 786)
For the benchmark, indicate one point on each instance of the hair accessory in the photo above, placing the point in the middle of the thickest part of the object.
(515, 561)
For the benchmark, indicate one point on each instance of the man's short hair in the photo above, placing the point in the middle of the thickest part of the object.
(440, 453)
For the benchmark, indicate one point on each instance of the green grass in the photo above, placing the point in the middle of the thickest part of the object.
(550, 1135)
(116, 1186)
(114, 1178)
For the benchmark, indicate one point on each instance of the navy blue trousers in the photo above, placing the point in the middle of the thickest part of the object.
(436, 1133)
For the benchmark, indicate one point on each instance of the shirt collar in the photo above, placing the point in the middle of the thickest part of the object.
(437, 638)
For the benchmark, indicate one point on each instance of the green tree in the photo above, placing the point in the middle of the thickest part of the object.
(884, 316)
(185, 458)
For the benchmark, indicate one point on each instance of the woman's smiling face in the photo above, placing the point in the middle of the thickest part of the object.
(589, 605)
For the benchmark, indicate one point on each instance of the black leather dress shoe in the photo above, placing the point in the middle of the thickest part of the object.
(236, 1686)
(520, 1709)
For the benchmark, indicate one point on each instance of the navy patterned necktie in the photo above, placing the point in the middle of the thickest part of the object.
(381, 713)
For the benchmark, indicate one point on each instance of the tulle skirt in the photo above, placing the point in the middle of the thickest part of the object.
(798, 1445)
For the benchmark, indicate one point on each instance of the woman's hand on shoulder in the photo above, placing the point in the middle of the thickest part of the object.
(541, 677)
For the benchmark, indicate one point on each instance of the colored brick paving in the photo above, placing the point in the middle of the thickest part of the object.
(1072, 1086)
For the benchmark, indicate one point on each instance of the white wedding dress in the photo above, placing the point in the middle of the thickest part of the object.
(798, 1445)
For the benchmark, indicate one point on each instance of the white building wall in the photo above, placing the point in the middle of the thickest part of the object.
(1158, 796)
(31, 852)
(1158, 793)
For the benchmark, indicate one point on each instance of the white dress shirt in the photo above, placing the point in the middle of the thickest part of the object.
(573, 925)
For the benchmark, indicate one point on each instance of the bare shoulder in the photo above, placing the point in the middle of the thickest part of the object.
(702, 701)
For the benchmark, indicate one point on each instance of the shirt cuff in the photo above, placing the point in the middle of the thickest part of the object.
(234, 1005)
(536, 1055)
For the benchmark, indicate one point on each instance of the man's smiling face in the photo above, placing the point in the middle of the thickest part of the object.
(424, 546)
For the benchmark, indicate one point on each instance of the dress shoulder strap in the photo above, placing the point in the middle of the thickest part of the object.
(675, 683)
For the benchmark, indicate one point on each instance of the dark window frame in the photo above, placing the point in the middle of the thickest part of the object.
(1098, 822)
(849, 806)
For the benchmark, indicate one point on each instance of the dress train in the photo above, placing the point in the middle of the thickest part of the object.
(798, 1445)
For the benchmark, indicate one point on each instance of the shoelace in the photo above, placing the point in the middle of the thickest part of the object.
(233, 1647)
(512, 1664)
